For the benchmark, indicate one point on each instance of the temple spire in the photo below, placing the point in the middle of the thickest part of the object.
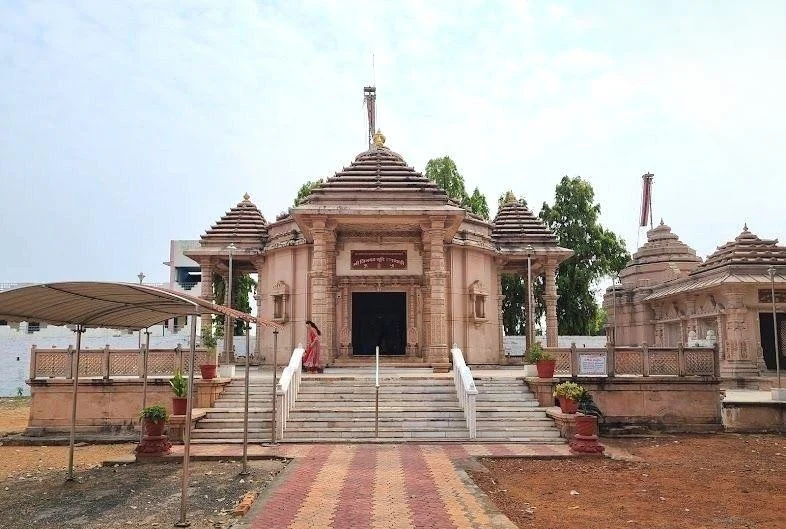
(370, 97)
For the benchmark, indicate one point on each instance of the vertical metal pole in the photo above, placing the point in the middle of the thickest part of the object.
(244, 472)
(530, 315)
(79, 330)
(145, 354)
(376, 400)
(229, 332)
(187, 429)
(771, 270)
(275, 383)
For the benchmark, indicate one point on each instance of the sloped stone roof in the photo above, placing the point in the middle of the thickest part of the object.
(378, 174)
(516, 224)
(746, 249)
(243, 224)
(663, 246)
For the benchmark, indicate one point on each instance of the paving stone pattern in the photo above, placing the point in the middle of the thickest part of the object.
(366, 486)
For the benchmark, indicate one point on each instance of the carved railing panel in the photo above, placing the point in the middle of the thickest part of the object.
(91, 363)
(562, 364)
(628, 362)
(52, 364)
(664, 363)
(699, 362)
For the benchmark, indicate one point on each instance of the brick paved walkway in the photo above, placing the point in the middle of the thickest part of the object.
(376, 486)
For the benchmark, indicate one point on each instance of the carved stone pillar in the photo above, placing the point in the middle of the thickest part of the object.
(740, 353)
(321, 275)
(437, 279)
(550, 297)
(206, 268)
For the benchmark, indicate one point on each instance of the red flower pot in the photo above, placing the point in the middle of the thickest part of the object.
(179, 405)
(586, 425)
(568, 405)
(546, 368)
(208, 371)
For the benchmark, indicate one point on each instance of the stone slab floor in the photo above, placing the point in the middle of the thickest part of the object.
(377, 485)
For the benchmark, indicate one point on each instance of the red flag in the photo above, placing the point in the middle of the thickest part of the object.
(646, 199)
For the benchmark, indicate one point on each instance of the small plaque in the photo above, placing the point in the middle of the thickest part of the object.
(592, 364)
(378, 259)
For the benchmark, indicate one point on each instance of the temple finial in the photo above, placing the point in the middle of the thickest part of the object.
(661, 221)
(246, 197)
(379, 139)
(745, 227)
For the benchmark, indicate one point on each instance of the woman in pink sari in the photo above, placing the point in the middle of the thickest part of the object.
(311, 354)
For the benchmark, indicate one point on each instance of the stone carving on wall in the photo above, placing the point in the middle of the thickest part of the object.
(280, 296)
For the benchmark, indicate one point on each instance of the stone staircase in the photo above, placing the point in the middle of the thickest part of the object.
(342, 408)
(223, 423)
(507, 410)
(413, 405)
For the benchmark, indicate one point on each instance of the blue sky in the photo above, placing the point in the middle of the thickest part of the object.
(127, 124)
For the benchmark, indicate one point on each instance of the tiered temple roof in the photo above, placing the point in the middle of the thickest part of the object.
(378, 174)
(746, 249)
(243, 225)
(515, 225)
(663, 252)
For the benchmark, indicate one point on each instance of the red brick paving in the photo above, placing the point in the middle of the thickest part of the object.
(356, 501)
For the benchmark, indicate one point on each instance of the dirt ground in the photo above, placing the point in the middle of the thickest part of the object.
(34, 494)
(680, 482)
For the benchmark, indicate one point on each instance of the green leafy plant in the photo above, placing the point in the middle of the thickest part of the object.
(208, 340)
(155, 413)
(568, 390)
(537, 353)
(587, 406)
(179, 384)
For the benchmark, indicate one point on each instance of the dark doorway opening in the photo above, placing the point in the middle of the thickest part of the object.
(379, 319)
(768, 338)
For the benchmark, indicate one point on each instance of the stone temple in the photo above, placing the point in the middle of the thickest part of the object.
(379, 255)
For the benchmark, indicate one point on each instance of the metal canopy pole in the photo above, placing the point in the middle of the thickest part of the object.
(145, 354)
(244, 472)
(275, 383)
(187, 429)
(79, 330)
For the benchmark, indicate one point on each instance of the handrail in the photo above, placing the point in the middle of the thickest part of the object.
(465, 389)
(288, 387)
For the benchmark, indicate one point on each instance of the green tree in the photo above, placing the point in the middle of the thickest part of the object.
(243, 285)
(445, 174)
(598, 253)
(477, 204)
(305, 189)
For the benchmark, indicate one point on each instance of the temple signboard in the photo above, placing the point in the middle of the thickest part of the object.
(378, 260)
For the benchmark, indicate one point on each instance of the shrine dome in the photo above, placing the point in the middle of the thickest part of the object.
(662, 258)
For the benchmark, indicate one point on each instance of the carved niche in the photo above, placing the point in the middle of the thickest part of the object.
(477, 299)
(280, 296)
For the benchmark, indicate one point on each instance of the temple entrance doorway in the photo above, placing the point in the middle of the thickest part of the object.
(379, 319)
(768, 338)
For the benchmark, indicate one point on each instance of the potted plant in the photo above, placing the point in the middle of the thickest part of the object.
(589, 415)
(530, 369)
(155, 418)
(568, 394)
(179, 385)
(208, 370)
(543, 360)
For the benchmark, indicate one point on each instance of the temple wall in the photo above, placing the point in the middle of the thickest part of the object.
(289, 267)
(478, 338)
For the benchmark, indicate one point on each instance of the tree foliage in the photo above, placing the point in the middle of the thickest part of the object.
(598, 253)
(305, 189)
(243, 286)
(445, 174)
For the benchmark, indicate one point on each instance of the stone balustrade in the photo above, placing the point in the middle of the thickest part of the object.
(109, 363)
(644, 361)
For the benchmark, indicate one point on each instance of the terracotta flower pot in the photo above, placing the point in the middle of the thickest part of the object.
(568, 405)
(179, 405)
(208, 371)
(546, 368)
(154, 429)
(586, 425)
